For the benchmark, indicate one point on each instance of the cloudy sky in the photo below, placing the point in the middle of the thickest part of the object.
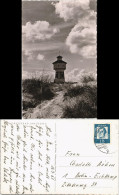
(68, 26)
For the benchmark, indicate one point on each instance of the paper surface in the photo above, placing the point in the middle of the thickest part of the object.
(58, 157)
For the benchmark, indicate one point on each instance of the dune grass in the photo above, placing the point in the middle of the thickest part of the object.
(81, 102)
(36, 90)
(79, 99)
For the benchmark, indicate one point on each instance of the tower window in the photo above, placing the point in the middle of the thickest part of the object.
(56, 74)
(61, 75)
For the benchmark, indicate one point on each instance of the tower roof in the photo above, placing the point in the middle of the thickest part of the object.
(59, 60)
(59, 56)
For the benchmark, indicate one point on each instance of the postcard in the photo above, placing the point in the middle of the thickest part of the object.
(59, 60)
(60, 156)
(59, 147)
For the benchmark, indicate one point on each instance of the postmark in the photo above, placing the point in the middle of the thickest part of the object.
(101, 133)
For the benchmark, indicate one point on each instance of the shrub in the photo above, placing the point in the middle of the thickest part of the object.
(74, 91)
(80, 90)
(81, 102)
(87, 78)
(39, 89)
(81, 109)
(28, 104)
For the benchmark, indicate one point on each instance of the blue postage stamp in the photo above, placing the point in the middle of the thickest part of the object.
(102, 133)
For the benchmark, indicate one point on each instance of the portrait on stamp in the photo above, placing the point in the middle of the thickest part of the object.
(102, 133)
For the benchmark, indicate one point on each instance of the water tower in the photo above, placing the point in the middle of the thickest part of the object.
(59, 67)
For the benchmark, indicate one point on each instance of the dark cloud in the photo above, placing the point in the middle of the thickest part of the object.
(93, 5)
(38, 10)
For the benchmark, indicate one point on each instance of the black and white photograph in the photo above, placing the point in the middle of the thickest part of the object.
(59, 59)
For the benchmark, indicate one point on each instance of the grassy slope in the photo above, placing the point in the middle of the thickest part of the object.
(76, 101)
(81, 102)
(35, 91)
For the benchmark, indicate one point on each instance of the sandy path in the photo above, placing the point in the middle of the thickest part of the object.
(47, 109)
